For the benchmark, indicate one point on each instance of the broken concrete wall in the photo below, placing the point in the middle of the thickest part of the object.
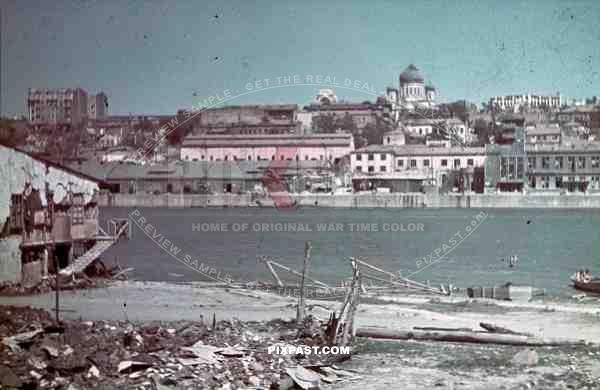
(10, 259)
(18, 168)
(32, 274)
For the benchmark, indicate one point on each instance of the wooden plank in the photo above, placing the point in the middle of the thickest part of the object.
(461, 337)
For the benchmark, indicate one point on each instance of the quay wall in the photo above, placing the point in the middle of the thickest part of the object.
(365, 200)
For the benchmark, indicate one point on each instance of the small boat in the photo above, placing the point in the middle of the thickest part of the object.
(592, 286)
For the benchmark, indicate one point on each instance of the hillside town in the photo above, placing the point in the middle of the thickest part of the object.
(404, 141)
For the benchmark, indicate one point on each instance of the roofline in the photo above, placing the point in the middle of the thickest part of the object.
(56, 165)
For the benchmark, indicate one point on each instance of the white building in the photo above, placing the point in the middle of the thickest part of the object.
(515, 102)
(543, 134)
(413, 91)
(413, 162)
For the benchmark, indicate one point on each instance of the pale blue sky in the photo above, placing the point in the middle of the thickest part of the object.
(152, 56)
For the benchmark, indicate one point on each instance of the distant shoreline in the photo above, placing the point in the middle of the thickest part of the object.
(356, 200)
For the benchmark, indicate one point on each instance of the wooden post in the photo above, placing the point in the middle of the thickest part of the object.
(301, 304)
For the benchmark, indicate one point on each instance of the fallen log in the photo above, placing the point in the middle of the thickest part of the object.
(461, 337)
(435, 329)
(498, 329)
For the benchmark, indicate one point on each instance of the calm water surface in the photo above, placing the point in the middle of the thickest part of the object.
(550, 247)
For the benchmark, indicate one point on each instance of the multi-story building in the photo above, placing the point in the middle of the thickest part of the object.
(97, 106)
(248, 119)
(573, 168)
(515, 102)
(57, 107)
(543, 134)
(588, 116)
(361, 114)
(505, 168)
(403, 168)
(218, 147)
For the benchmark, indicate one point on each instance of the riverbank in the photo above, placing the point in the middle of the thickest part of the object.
(358, 200)
(380, 364)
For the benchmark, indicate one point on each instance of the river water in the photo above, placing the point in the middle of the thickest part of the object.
(463, 247)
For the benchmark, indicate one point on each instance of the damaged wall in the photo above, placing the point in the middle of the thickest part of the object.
(17, 168)
(10, 259)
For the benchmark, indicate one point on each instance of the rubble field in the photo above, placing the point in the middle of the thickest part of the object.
(36, 353)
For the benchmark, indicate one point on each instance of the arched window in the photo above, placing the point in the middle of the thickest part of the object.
(388, 140)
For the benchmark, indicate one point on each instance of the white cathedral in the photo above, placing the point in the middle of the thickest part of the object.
(413, 92)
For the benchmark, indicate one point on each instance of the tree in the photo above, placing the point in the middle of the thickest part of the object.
(374, 131)
(324, 124)
(10, 135)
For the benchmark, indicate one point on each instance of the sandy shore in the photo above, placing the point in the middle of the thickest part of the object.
(382, 364)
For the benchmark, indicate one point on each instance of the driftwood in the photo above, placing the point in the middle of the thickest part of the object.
(461, 337)
(266, 259)
(397, 280)
(435, 329)
(301, 312)
(498, 329)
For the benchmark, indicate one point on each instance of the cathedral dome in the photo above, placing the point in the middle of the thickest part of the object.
(411, 75)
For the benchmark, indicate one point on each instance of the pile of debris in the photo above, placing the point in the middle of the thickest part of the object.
(95, 275)
(36, 353)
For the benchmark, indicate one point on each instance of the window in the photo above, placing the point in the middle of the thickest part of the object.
(382, 168)
(211, 158)
(282, 157)
(595, 162)
(571, 162)
(531, 163)
(558, 163)
(444, 162)
(371, 157)
(457, 163)
(426, 163)
(413, 163)
(16, 211)
(400, 163)
(581, 162)
(545, 162)
(359, 169)
(359, 157)
(382, 156)
(388, 140)
(249, 158)
(306, 157)
(470, 162)
(371, 169)
(76, 210)
(226, 157)
(320, 157)
(297, 157)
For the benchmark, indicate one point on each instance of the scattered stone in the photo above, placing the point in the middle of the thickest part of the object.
(526, 357)
(8, 378)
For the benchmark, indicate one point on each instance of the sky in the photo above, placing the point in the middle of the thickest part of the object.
(155, 56)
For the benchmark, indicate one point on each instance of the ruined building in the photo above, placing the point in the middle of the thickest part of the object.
(48, 217)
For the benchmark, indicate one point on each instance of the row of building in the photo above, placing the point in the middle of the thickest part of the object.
(69, 107)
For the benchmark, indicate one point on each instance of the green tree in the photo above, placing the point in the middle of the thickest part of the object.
(10, 135)
(324, 124)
